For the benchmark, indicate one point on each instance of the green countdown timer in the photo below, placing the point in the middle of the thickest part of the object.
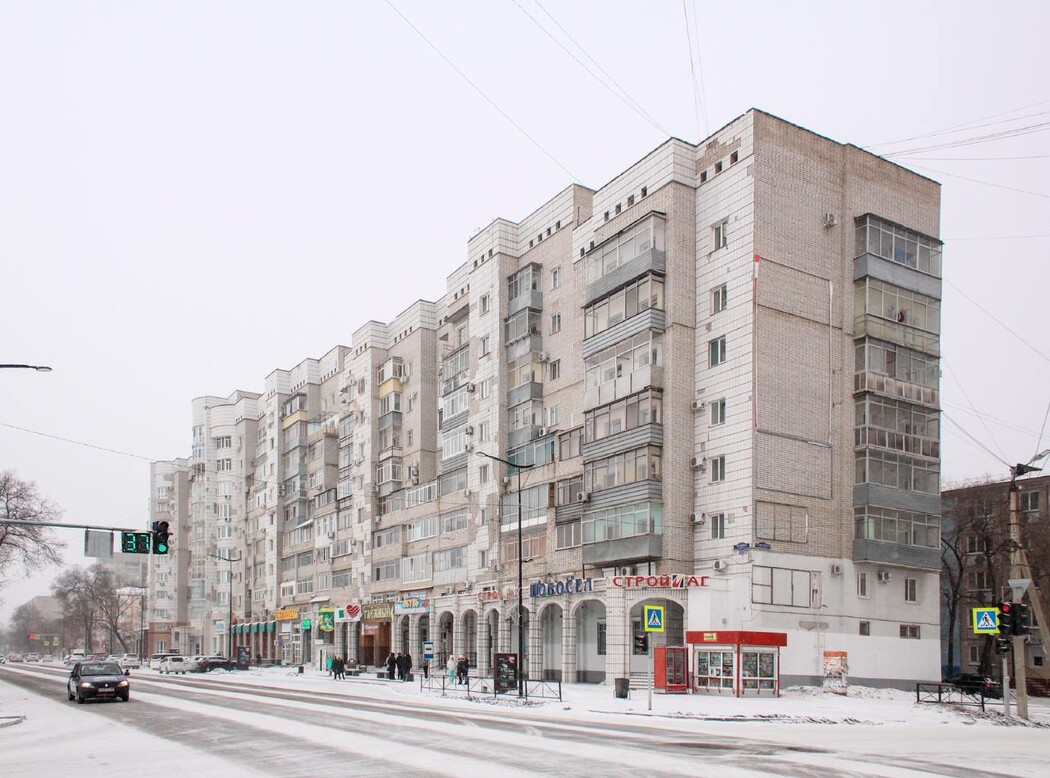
(135, 542)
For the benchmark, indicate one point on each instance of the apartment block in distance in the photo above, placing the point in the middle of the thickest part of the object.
(709, 385)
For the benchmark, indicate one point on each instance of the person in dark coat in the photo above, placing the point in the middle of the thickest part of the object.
(462, 669)
(408, 667)
(391, 665)
(338, 665)
(400, 666)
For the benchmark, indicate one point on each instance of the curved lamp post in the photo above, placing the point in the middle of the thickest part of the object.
(38, 368)
(521, 562)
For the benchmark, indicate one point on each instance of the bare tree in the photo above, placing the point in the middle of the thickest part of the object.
(93, 599)
(25, 549)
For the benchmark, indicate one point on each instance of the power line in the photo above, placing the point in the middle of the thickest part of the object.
(978, 443)
(1002, 237)
(957, 126)
(966, 395)
(700, 69)
(692, 69)
(993, 419)
(623, 95)
(979, 159)
(1016, 132)
(995, 319)
(481, 92)
(985, 183)
(76, 442)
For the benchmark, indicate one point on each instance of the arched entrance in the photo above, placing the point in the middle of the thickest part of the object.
(637, 637)
(469, 649)
(444, 646)
(403, 631)
(489, 640)
(550, 642)
(591, 641)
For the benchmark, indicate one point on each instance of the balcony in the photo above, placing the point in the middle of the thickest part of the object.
(610, 391)
(638, 548)
(647, 261)
(524, 393)
(390, 419)
(897, 332)
(531, 299)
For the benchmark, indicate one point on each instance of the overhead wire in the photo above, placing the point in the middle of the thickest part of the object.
(979, 159)
(975, 441)
(692, 69)
(961, 126)
(622, 94)
(1015, 132)
(993, 419)
(966, 395)
(1039, 440)
(482, 92)
(996, 319)
(979, 181)
(700, 70)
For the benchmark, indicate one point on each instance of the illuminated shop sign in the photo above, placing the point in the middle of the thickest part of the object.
(671, 581)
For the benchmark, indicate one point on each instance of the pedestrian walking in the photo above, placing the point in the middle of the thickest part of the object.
(462, 670)
(391, 665)
(258, 659)
(337, 667)
(408, 666)
(328, 663)
(450, 666)
(400, 662)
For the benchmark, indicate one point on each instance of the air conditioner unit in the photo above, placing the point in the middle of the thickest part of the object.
(544, 431)
(698, 518)
(627, 570)
(506, 480)
(698, 463)
(468, 447)
(583, 496)
(836, 569)
(468, 430)
(830, 220)
(470, 387)
(885, 577)
(699, 405)
(467, 493)
(331, 536)
(721, 565)
(545, 357)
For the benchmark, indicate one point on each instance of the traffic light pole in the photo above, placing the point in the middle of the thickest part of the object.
(1020, 655)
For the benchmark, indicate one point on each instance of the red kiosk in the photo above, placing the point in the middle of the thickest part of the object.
(671, 669)
(737, 663)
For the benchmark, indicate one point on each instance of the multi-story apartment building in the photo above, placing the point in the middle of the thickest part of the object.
(168, 576)
(711, 383)
(977, 568)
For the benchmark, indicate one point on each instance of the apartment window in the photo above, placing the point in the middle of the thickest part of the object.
(483, 474)
(721, 234)
(978, 580)
(226, 441)
(637, 297)
(703, 176)
(555, 369)
(483, 559)
(455, 521)
(862, 585)
(718, 411)
(484, 388)
(911, 590)
(569, 445)
(552, 415)
(718, 469)
(483, 431)
(486, 345)
(973, 652)
(386, 571)
(567, 535)
(450, 559)
(224, 465)
(718, 526)
(634, 411)
(865, 628)
(716, 351)
(910, 631)
(555, 278)
(483, 304)
(409, 437)
(1030, 502)
(556, 323)
(734, 157)
(719, 298)
(600, 638)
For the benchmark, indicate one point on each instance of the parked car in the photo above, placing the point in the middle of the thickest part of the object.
(156, 659)
(217, 662)
(173, 664)
(973, 683)
(15, 658)
(98, 681)
(76, 655)
(48, 658)
(32, 656)
(130, 661)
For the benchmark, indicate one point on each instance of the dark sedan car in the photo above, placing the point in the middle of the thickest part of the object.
(972, 683)
(98, 681)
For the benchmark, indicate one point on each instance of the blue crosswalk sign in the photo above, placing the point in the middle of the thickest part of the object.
(654, 618)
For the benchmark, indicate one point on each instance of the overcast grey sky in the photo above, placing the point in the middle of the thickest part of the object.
(195, 193)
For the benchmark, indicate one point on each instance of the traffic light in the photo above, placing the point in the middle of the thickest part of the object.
(1020, 618)
(641, 643)
(135, 542)
(160, 537)
(31, 636)
(1006, 618)
(1002, 646)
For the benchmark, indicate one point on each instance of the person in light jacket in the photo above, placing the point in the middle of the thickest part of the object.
(450, 665)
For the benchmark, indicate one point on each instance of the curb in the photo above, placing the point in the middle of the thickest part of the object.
(10, 721)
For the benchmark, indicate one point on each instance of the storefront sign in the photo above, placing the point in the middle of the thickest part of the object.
(370, 628)
(306, 624)
(672, 581)
(286, 614)
(412, 605)
(353, 612)
(495, 595)
(568, 586)
(326, 620)
(377, 611)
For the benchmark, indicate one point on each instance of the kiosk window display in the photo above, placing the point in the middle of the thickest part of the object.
(737, 663)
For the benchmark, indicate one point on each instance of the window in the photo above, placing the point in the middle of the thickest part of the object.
(862, 585)
(567, 535)
(569, 444)
(718, 411)
(486, 345)
(600, 638)
(556, 323)
(719, 298)
(450, 559)
(555, 369)
(978, 580)
(734, 157)
(901, 527)
(973, 652)
(483, 304)
(718, 526)
(897, 244)
(911, 590)
(622, 248)
(555, 278)
(637, 297)
(718, 469)
(718, 167)
(865, 628)
(415, 568)
(224, 465)
(910, 631)
(622, 521)
(716, 351)
(483, 431)
(483, 474)
(783, 586)
(455, 521)
(225, 441)
(552, 415)
(634, 411)
(640, 464)
(1030, 502)
(721, 233)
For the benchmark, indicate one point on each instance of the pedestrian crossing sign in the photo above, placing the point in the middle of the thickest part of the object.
(986, 621)
(654, 618)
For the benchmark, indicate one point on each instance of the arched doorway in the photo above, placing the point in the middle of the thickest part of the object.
(591, 641)
(637, 637)
(489, 640)
(550, 642)
(444, 647)
(469, 649)
(403, 644)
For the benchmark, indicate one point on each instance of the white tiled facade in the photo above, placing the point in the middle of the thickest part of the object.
(686, 359)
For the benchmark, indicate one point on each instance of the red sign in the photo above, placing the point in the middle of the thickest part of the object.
(671, 581)
(734, 637)
(369, 628)
(353, 612)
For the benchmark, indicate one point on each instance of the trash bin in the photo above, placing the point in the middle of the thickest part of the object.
(623, 688)
(300, 669)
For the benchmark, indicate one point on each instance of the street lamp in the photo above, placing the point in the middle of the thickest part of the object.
(229, 603)
(521, 563)
(38, 368)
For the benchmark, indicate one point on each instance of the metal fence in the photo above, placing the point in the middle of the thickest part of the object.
(477, 686)
(945, 693)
